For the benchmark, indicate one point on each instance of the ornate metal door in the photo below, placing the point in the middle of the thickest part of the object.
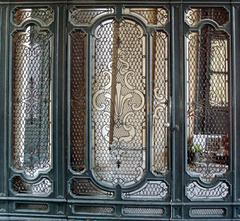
(208, 101)
(125, 110)
(119, 110)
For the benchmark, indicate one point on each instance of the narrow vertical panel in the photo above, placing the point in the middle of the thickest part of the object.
(208, 100)
(161, 119)
(78, 100)
(31, 102)
(208, 103)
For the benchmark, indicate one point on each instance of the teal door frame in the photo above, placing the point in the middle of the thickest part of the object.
(96, 200)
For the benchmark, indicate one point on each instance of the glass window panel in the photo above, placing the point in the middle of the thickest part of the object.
(194, 16)
(118, 103)
(78, 100)
(87, 16)
(160, 103)
(152, 16)
(31, 102)
(219, 55)
(218, 94)
(208, 113)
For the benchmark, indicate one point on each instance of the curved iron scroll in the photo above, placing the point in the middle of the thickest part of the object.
(118, 103)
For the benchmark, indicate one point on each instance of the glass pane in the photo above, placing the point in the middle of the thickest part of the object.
(41, 188)
(219, 55)
(152, 16)
(87, 16)
(194, 16)
(218, 96)
(85, 188)
(78, 100)
(96, 210)
(118, 103)
(44, 15)
(160, 103)
(31, 101)
(208, 112)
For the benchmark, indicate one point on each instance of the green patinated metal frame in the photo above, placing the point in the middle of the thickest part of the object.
(60, 203)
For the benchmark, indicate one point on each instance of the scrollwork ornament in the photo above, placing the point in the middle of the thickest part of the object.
(118, 97)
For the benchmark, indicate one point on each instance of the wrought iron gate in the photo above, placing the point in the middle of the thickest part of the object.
(119, 110)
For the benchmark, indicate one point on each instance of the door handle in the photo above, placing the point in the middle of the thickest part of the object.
(173, 128)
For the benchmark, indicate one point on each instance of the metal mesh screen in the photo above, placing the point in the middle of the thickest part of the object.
(194, 16)
(118, 104)
(160, 103)
(41, 188)
(208, 112)
(31, 101)
(86, 188)
(87, 16)
(196, 192)
(105, 210)
(151, 190)
(78, 100)
(206, 212)
(32, 207)
(43, 15)
(143, 211)
(152, 16)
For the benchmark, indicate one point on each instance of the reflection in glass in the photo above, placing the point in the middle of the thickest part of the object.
(208, 112)
(118, 103)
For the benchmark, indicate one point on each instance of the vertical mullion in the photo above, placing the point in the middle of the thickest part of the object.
(68, 101)
(87, 102)
(177, 101)
(55, 111)
(232, 57)
(235, 100)
(61, 40)
(2, 86)
(6, 103)
(9, 55)
(6, 96)
(177, 108)
(3, 108)
(89, 76)
(149, 94)
(58, 96)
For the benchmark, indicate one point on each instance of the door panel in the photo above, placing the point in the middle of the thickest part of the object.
(208, 113)
(31, 153)
(118, 103)
(126, 58)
